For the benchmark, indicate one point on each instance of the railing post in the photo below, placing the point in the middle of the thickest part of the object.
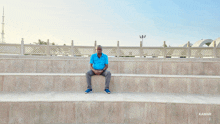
(118, 49)
(214, 50)
(22, 46)
(94, 51)
(48, 48)
(189, 51)
(141, 49)
(164, 49)
(72, 49)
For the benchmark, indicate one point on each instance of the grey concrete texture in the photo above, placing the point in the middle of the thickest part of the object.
(44, 82)
(45, 89)
(116, 66)
(113, 97)
(100, 112)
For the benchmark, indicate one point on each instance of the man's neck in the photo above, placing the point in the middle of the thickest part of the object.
(99, 54)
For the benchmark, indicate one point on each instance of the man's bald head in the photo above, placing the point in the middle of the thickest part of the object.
(99, 46)
(99, 49)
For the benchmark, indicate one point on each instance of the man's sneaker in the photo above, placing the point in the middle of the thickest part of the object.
(88, 91)
(107, 91)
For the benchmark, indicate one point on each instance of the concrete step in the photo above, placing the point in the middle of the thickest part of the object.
(123, 108)
(116, 66)
(139, 83)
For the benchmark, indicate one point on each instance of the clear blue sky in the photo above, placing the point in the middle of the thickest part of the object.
(107, 21)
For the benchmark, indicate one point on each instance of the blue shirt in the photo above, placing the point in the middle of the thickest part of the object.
(98, 63)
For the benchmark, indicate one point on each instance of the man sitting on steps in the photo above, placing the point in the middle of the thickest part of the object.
(98, 66)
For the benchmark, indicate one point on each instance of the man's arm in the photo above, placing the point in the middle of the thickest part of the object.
(92, 68)
(106, 63)
(106, 66)
(91, 63)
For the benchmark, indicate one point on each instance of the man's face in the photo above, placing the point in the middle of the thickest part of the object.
(99, 50)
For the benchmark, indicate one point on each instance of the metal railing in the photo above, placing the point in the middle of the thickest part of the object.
(117, 51)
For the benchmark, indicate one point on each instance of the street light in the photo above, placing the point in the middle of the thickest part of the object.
(142, 37)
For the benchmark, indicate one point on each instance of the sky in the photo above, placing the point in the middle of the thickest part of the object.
(109, 21)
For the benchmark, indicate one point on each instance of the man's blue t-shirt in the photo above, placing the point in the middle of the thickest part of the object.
(99, 63)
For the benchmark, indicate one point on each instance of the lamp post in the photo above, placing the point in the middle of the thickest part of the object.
(142, 37)
(141, 45)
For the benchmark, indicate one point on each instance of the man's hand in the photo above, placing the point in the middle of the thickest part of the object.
(98, 72)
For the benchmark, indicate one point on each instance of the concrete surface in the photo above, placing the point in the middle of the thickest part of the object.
(116, 66)
(100, 108)
(60, 82)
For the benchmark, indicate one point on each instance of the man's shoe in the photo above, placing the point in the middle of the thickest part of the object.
(88, 91)
(107, 91)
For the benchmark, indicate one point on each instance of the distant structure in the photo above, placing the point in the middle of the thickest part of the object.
(200, 43)
(217, 43)
(185, 45)
(3, 33)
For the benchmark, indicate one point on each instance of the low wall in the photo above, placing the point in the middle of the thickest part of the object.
(116, 66)
(108, 112)
(42, 82)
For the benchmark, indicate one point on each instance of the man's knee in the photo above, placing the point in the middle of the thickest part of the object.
(89, 73)
(108, 73)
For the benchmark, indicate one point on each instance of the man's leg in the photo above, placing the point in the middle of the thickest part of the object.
(88, 78)
(107, 75)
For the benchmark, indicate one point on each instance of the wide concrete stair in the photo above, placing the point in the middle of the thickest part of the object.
(100, 108)
(126, 65)
(161, 91)
(129, 83)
